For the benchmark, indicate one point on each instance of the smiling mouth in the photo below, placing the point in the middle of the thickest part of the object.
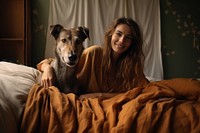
(119, 46)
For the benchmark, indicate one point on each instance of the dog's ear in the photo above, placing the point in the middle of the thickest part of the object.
(55, 30)
(84, 33)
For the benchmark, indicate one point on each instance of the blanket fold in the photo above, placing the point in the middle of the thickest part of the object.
(164, 106)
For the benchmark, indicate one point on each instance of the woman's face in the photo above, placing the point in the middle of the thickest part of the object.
(121, 39)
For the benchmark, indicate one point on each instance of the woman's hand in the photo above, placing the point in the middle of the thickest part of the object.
(48, 76)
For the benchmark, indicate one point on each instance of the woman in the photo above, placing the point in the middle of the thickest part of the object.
(114, 68)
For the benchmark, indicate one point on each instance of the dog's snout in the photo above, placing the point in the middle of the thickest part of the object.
(72, 57)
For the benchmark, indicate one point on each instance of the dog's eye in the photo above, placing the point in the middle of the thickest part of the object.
(64, 40)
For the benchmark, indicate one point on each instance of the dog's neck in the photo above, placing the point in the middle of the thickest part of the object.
(66, 76)
(63, 69)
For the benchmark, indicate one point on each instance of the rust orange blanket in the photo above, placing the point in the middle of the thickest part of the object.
(165, 107)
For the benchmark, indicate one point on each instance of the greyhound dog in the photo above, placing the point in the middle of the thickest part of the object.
(68, 49)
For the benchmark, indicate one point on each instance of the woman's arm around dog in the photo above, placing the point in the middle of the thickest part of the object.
(48, 77)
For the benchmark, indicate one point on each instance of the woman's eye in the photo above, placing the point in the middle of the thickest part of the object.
(129, 38)
(118, 34)
(64, 40)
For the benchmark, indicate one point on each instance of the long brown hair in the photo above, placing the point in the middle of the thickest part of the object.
(131, 62)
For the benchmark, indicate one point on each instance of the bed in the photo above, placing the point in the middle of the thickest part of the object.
(165, 106)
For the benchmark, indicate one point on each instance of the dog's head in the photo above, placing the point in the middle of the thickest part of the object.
(69, 43)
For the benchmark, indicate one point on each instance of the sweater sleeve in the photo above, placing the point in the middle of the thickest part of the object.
(89, 70)
(48, 61)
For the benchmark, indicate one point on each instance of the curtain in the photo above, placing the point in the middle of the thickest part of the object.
(97, 15)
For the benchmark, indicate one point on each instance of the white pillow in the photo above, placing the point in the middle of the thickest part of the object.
(15, 83)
